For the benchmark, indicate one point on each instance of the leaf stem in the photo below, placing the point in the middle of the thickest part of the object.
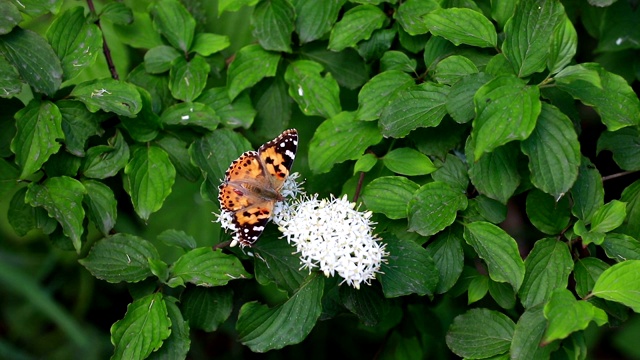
(105, 46)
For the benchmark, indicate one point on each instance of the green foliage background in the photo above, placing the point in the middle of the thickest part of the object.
(496, 143)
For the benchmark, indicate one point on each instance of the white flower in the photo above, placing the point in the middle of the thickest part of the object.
(333, 236)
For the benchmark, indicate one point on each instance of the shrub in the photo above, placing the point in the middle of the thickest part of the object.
(469, 169)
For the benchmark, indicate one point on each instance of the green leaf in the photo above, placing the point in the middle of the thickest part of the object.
(10, 81)
(462, 26)
(205, 267)
(76, 41)
(503, 294)
(177, 238)
(446, 251)
(150, 177)
(21, 216)
(609, 217)
(419, 106)
(507, 109)
(251, 64)
(378, 92)
(191, 113)
(397, 60)
(62, 198)
(188, 79)
(547, 266)
(501, 11)
(273, 107)
(109, 95)
(624, 144)
(143, 329)
(498, 250)
(554, 152)
(101, 205)
(175, 23)
(480, 333)
(78, 125)
(315, 18)
(206, 308)
(496, 174)
(36, 8)
(529, 330)
(263, 329)
(379, 42)
(367, 303)
(588, 237)
(407, 161)
(614, 100)
(389, 195)
(177, 345)
(478, 288)
(436, 49)
(410, 15)
(546, 214)
(141, 33)
(276, 264)
(179, 156)
(236, 113)
(563, 46)
(460, 98)
(11, 17)
(160, 59)
(621, 247)
(453, 172)
(314, 94)
(103, 161)
(347, 67)
(34, 59)
(233, 5)
(587, 192)
(620, 283)
(453, 68)
(38, 127)
(117, 13)
(121, 257)
(434, 207)
(339, 139)
(145, 126)
(357, 24)
(586, 272)
(225, 145)
(273, 22)
(528, 32)
(365, 163)
(567, 315)
(631, 195)
(206, 44)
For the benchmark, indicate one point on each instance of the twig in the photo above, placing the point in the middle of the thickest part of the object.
(105, 46)
(613, 176)
(358, 187)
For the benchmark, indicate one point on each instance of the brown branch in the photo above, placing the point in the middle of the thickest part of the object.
(358, 187)
(613, 176)
(105, 46)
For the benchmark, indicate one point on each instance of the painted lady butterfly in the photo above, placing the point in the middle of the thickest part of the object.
(252, 184)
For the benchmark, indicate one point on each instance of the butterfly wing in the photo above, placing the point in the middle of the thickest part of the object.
(277, 157)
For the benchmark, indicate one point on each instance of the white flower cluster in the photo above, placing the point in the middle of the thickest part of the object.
(333, 236)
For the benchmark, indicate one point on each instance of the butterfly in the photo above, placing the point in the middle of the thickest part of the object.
(252, 185)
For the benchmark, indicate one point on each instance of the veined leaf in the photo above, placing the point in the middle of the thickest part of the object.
(38, 125)
(434, 207)
(314, 94)
(389, 195)
(150, 177)
(143, 329)
(175, 23)
(206, 267)
(251, 64)
(273, 22)
(480, 333)
(462, 26)
(357, 24)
